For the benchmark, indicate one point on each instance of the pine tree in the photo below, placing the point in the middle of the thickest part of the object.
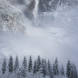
(68, 69)
(24, 67)
(25, 63)
(38, 63)
(55, 67)
(30, 64)
(4, 66)
(44, 68)
(16, 66)
(10, 65)
(50, 72)
(73, 71)
(35, 67)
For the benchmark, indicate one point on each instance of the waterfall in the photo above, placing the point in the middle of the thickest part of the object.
(35, 11)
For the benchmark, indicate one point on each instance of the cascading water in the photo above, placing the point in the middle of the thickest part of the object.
(35, 11)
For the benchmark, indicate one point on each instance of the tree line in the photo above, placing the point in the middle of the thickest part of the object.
(38, 68)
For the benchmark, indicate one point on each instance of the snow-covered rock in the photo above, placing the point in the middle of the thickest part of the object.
(11, 18)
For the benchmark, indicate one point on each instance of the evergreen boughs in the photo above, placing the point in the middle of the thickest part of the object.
(71, 70)
(40, 67)
(50, 71)
(44, 72)
(4, 66)
(68, 70)
(55, 67)
(24, 67)
(38, 63)
(10, 65)
(16, 66)
(30, 64)
(35, 67)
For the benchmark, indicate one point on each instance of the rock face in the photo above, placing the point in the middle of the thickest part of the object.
(14, 13)
(51, 5)
(29, 10)
(11, 18)
(14, 17)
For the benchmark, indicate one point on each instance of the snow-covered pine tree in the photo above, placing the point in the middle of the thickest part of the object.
(43, 71)
(24, 68)
(50, 71)
(68, 69)
(4, 65)
(73, 71)
(38, 63)
(16, 66)
(55, 67)
(10, 65)
(25, 63)
(35, 67)
(30, 64)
